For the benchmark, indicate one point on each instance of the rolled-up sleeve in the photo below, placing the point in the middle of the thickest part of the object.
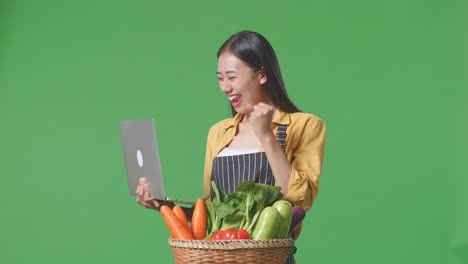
(306, 163)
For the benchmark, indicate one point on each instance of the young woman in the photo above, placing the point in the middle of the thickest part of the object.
(268, 140)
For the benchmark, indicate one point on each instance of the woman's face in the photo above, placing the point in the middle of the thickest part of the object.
(241, 84)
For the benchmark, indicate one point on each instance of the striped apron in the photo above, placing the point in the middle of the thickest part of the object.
(229, 171)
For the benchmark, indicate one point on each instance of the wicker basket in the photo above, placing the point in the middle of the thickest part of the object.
(231, 251)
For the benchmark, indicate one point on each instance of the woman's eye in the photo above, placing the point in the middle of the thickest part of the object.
(220, 79)
(231, 78)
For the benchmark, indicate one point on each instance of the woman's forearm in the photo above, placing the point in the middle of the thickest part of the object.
(278, 162)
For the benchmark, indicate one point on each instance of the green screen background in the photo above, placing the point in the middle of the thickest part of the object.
(388, 78)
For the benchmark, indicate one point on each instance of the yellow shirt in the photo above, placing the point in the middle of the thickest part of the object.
(305, 143)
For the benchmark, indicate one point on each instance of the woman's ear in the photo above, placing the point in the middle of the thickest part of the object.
(262, 76)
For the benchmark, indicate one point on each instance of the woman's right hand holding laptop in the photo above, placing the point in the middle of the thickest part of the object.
(144, 197)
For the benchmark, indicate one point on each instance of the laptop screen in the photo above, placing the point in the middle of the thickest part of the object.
(141, 153)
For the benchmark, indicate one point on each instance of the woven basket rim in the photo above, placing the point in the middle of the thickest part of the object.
(231, 244)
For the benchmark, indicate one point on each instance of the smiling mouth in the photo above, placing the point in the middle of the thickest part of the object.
(235, 100)
(234, 97)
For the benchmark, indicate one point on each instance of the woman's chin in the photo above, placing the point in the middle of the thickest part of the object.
(242, 110)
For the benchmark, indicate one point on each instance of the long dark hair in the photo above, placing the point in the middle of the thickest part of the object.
(255, 50)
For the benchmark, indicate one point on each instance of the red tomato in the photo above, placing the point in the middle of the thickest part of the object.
(213, 237)
(230, 233)
(242, 234)
(219, 235)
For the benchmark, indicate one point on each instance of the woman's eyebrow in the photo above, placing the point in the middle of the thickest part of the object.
(226, 72)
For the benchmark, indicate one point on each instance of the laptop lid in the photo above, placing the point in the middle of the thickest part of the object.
(142, 159)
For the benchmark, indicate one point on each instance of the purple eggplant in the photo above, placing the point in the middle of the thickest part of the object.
(298, 214)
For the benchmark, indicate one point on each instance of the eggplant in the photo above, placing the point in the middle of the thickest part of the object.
(298, 214)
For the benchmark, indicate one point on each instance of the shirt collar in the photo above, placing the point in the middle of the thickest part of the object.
(280, 117)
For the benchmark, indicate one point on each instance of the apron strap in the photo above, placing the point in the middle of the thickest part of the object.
(281, 136)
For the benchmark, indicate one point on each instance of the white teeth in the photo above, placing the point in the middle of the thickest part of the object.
(233, 97)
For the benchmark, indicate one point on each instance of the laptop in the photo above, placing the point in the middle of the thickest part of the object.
(141, 153)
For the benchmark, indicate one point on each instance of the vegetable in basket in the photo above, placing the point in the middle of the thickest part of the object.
(181, 216)
(284, 209)
(274, 221)
(267, 224)
(199, 219)
(298, 214)
(176, 227)
(240, 209)
(230, 233)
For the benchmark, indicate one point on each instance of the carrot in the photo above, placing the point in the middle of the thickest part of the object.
(181, 215)
(199, 219)
(175, 226)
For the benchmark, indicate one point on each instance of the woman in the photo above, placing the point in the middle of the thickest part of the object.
(268, 140)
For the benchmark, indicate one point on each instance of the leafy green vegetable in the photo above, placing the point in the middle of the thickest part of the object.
(211, 221)
(260, 196)
(240, 209)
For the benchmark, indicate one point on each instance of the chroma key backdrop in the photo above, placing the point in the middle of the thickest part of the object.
(389, 78)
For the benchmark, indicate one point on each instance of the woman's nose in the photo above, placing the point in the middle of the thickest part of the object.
(225, 87)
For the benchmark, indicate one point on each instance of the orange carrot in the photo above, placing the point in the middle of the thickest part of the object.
(181, 215)
(176, 227)
(199, 219)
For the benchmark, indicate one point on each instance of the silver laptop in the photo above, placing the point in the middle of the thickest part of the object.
(141, 152)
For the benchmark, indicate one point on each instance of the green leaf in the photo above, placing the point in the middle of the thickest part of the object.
(210, 216)
(242, 208)
(223, 209)
(219, 194)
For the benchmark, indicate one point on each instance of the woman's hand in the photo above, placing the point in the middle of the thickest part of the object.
(144, 197)
(261, 118)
